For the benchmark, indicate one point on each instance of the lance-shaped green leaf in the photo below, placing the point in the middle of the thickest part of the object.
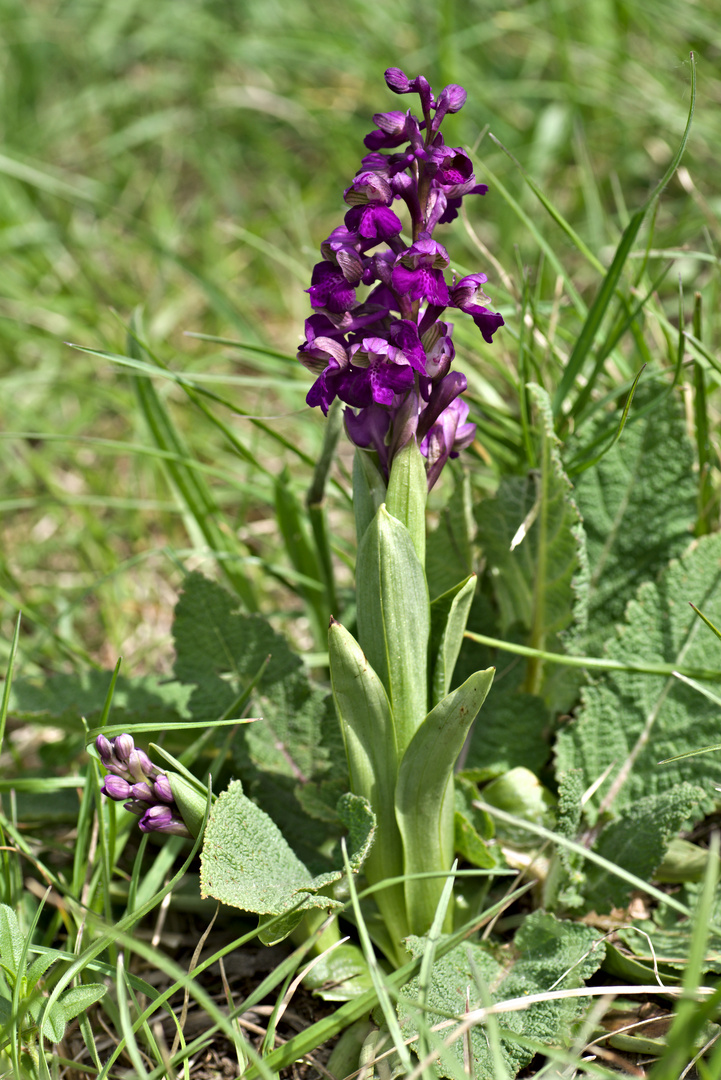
(393, 619)
(247, 863)
(424, 794)
(449, 615)
(408, 494)
(369, 491)
(367, 725)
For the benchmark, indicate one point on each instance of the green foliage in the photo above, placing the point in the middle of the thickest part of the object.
(532, 536)
(639, 508)
(219, 650)
(546, 952)
(631, 719)
(511, 732)
(449, 546)
(21, 990)
(247, 863)
(637, 841)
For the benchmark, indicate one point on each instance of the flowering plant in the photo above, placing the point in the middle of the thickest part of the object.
(388, 356)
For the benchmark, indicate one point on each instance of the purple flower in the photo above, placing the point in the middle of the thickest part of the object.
(329, 288)
(142, 788)
(389, 356)
(419, 272)
(162, 819)
(116, 788)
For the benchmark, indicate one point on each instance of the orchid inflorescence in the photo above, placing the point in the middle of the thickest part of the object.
(143, 788)
(388, 357)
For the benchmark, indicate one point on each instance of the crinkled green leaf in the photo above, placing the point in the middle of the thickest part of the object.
(11, 940)
(70, 1004)
(84, 694)
(637, 841)
(673, 717)
(541, 584)
(569, 867)
(639, 508)
(511, 731)
(449, 547)
(219, 649)
(544, 950)
(247, 863)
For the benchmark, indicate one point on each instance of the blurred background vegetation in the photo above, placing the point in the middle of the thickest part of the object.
(189, 156)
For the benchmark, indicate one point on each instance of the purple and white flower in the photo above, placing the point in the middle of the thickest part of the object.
(388, 357)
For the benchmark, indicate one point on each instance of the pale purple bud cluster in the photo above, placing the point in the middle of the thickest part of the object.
(387, 356)
(143, 789)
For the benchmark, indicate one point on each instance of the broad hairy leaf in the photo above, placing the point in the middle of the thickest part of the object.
(543, 950)
(219, 649)
(639, 508)
(541, 584)
(637, 841)
(654, 717)
(449, 547)
(247, 863)
(69, 1005)
(11, 941)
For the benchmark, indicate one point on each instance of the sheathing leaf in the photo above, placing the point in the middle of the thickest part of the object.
(544, 949)
(656, 717)
(639, 509)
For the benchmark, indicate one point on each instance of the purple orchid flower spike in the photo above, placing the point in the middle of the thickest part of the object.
(140, 785)
(388, 356)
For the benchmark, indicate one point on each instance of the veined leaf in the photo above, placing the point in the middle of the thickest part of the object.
(629, 720)
(247, 863)
(366, 721)
(546, 952)
(407, 495)
(449, 616)
(532, 536)
(393, 619)
(639, 509)
(637, 841)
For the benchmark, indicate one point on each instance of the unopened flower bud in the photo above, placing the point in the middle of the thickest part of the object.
(162, 789)
(123, 747)
(116, 788)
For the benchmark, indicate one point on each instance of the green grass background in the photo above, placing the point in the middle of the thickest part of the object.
(189, 157)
